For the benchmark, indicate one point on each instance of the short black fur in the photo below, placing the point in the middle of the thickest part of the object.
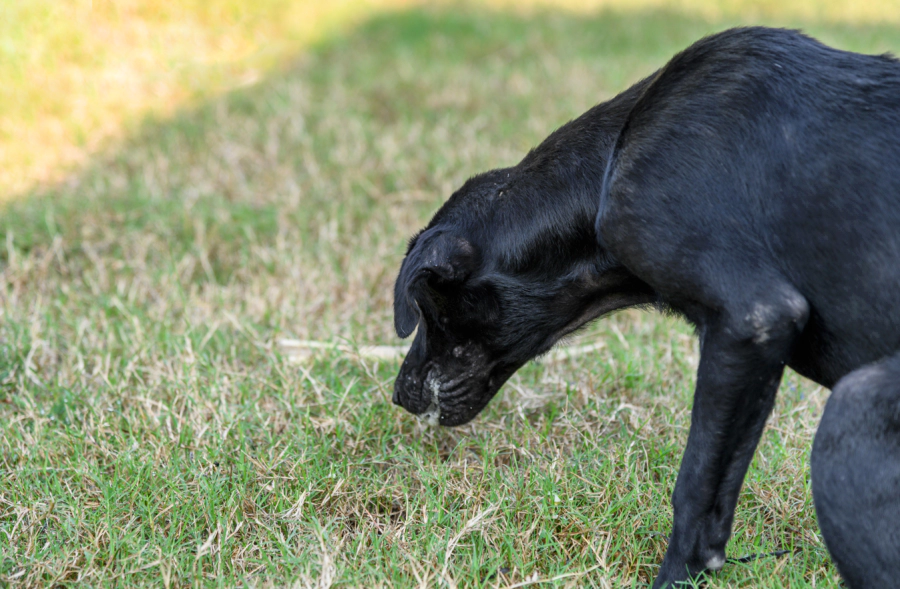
(751, 185)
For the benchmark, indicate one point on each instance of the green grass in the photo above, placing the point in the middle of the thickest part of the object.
(153, 433)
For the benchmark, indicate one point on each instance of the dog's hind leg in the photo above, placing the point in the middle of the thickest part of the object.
(856, 475)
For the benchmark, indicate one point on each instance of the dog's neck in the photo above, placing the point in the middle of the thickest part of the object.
(547, 227)
(544, 208)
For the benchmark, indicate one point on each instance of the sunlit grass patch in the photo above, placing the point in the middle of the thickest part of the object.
(74, 75)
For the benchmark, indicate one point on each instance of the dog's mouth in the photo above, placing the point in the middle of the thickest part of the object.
(432, 415)
(456, 400)
(452, 401)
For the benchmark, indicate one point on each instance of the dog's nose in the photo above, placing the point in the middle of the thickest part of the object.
(396, 397)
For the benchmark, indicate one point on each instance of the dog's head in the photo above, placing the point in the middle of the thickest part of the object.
(453, 367)
(504, 269)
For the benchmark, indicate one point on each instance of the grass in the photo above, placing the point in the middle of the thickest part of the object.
(75, 74)
(155, 435)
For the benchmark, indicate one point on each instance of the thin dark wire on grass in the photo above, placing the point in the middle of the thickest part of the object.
(757, 556)
(492, 576)
(743, 559)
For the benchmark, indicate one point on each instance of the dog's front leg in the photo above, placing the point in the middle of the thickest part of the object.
(742, 356)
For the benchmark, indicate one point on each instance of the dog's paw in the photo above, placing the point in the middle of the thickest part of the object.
(715, 562)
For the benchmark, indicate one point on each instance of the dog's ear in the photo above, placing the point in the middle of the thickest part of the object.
(437, 257)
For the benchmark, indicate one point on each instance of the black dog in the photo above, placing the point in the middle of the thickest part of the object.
(751, 185)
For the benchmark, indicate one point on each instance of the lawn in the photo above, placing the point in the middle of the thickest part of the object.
(155, 433)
